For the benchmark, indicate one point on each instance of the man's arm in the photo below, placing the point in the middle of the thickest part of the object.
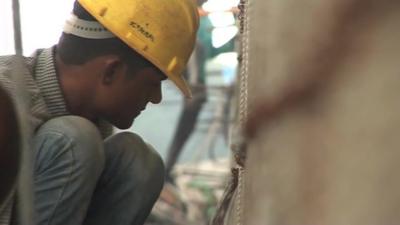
(9, 145)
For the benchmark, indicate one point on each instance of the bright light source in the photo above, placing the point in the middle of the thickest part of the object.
(42, 22)
(221, 35)
(6, 28)
(219, 5)
(227, 59)
(228, 63)
(221, 19)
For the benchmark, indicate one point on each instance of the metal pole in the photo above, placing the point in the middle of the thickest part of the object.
(25, 182)
(17, 27)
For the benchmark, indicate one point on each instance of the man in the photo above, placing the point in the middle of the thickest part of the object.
(108, 65)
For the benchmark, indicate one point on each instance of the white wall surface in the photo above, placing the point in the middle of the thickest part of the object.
(6, 28)
(41, 23)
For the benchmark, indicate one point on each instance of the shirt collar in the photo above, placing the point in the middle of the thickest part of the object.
(47, 81)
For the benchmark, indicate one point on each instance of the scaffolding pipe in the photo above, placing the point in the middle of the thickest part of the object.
(17, 27)
(25, 182)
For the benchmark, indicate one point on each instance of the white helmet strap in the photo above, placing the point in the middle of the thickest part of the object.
(86, 29)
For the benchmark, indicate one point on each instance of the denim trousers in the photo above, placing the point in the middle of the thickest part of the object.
(79, 178)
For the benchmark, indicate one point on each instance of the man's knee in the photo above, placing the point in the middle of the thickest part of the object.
(142, 161)
(73, 138)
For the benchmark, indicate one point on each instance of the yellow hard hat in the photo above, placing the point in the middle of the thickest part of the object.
(162, 31)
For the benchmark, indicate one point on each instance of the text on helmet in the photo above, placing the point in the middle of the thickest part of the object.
(142, 30)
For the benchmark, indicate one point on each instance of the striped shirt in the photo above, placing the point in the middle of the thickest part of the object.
(44, 97)
(5, 209)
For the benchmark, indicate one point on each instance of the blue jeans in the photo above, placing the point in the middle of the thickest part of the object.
(81, 179)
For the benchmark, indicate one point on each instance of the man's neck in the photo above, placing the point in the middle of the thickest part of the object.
(75, 86)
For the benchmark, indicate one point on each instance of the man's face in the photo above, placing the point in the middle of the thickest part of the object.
(129, 94)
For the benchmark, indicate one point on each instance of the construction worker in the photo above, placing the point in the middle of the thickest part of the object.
(107, 66)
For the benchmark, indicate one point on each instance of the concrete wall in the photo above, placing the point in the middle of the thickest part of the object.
(324, 87)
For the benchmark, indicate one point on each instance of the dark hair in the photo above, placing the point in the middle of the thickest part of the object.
(74, 50)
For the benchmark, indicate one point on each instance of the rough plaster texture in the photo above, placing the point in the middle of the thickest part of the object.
(332, 157)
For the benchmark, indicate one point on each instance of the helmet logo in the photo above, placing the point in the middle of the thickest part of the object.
(142, 30)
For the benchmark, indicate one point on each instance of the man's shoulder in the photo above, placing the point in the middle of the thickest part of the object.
(14, 68)
(9, 63)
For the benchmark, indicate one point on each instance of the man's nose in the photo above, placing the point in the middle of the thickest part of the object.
(156, 96)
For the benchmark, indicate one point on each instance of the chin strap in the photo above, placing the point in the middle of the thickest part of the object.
(86, 29)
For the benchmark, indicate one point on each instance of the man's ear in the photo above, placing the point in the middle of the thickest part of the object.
(112, 67)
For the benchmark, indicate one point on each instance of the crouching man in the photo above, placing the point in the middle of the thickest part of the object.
(107, 66)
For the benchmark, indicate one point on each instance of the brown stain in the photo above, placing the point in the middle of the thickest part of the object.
(347, 18)
(314, 77)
